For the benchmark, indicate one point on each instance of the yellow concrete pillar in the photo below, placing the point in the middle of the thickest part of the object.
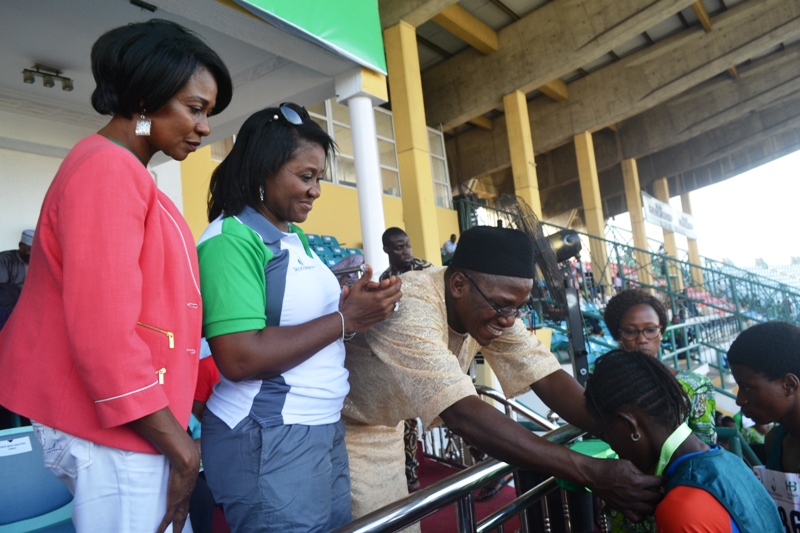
(633, 197)
(195, 179)
(593, 208)
(661, 190)
(694, 251)
(520, 144)
(411, 137)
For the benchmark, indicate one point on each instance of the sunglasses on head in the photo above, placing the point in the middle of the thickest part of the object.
(292, 113)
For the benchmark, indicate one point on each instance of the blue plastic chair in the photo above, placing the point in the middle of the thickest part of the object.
(313, 239)
(330, 241)
(33, 499)
(323, 252)
(354, 251)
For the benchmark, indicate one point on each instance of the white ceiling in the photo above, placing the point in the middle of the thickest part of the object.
(267, 65)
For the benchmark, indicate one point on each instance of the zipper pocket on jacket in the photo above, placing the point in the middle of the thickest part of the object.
(160, 374)
(169, 334)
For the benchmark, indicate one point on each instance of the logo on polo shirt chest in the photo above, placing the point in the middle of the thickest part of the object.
(302, 266)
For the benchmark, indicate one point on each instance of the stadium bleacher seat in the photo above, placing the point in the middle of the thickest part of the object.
(33, 498)
(328, 249)
(330, 241)
(322, 251)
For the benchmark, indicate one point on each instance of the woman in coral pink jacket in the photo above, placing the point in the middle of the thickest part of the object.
(101, 351)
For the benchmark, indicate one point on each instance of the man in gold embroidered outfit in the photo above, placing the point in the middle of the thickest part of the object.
(414, 365)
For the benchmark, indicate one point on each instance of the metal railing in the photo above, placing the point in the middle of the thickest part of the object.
(458, 489)
(719, 300)
(514, 409)
(738, 445)
(444, 446)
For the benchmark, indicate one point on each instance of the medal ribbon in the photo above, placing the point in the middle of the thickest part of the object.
(670, 445)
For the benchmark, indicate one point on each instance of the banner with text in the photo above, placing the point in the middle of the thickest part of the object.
(666, 216)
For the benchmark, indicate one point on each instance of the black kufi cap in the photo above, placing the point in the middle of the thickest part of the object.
(495, 251)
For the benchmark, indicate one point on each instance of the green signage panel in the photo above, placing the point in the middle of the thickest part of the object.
(351, 28)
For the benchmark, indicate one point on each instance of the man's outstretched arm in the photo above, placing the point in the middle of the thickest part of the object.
(617, 482)
(563, 394)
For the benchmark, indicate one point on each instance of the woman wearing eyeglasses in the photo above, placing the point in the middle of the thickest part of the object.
(276, 321)
(637, 320)
(640, 410)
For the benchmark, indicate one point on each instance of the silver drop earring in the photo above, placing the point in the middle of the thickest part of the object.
(261, 193)
(142, 126)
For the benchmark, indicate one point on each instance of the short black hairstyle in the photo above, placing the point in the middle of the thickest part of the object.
(635, 380)
(264, 144)
(142, 66)
(619, 304)
(389, 233)
(771, 348)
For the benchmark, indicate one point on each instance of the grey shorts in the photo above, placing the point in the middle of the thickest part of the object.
(282, 478)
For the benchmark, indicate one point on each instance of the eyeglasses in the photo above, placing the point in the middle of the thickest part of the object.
(504, 312)
(292, 113)
(631, 334)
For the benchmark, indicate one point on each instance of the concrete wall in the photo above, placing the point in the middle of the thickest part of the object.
(335, 213)
(24, 179)
(196, 172)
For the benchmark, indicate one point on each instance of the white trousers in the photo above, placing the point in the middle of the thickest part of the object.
(115, 490)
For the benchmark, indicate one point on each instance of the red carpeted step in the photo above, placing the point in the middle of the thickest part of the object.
(445, 520)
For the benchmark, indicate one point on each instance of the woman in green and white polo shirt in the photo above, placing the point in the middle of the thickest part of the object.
(276, 321)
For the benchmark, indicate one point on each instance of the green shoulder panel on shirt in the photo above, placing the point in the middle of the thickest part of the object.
(301, 234)
(232, 281)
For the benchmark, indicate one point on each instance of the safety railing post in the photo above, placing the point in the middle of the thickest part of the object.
(737, 309)
(465, 514)
(668, 283)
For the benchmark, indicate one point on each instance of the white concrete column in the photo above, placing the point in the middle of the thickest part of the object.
(361, 89)
(369, 183)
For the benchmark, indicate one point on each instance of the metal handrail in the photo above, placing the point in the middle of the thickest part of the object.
(516, 506)
(738, 445)
(738, 298)
(513, 406)
(456, 488)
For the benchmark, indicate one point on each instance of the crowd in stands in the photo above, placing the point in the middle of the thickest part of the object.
(301, 384)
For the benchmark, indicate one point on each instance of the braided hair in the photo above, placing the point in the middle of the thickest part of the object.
(619, 305)
(635, 380)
